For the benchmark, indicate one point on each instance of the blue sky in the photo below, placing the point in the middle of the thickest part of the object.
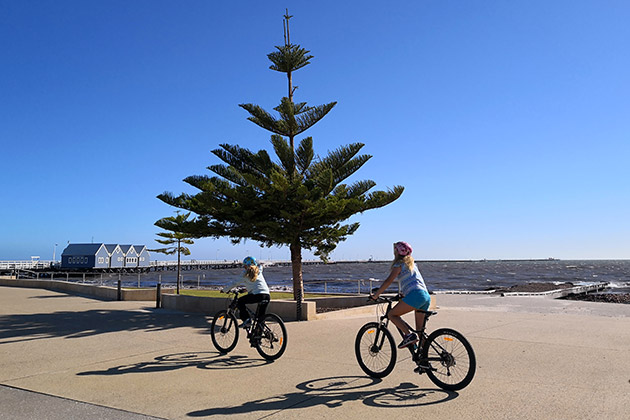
(505, 121)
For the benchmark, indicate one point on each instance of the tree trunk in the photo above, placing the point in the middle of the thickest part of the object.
(298, 285)
(179, 248)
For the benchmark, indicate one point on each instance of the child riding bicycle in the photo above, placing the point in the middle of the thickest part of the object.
(258, 291)
(414, 292)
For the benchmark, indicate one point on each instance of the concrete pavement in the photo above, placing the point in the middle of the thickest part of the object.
(537, 358)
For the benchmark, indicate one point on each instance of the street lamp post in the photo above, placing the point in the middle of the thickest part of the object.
(54, 252)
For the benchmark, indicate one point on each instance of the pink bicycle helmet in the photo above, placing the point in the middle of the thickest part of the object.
(403, 248)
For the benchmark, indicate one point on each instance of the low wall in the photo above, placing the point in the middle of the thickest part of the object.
(102, 292)
(344, 302)
(339, 302)
(286, 309)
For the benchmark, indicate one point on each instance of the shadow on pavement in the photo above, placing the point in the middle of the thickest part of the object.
(200, 360)
(334, 392)
(26, 327)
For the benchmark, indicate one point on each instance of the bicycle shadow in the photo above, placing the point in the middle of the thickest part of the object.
(199, 360)
(334, 392)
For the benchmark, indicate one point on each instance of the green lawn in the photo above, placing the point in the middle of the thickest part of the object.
(274, 295)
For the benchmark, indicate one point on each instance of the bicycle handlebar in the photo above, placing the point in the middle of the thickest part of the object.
(236, 291)
(384, 299)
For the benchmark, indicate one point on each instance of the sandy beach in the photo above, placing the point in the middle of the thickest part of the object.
(538, 358)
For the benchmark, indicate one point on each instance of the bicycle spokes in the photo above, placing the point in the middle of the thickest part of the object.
(271, 337)
(375, 350)
(452, 359)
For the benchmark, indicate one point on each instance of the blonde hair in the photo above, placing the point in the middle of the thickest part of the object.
(405, 259)
(251, 272)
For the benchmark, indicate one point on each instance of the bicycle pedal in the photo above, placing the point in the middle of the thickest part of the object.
(422, 369)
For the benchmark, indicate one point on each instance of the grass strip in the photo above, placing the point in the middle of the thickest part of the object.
(274, 295)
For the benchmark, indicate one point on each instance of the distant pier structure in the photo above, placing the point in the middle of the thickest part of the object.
(84, 263)
(190, 265)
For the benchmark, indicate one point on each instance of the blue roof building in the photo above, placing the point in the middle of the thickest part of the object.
(104, 256)
(116, 256)
(85, 256)
(143, 255)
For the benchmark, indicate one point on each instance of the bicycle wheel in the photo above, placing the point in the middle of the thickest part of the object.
(272, 341)
(452, 359)
(224, 331)
(375, 350)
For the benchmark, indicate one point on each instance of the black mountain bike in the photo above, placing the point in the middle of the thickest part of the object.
(267, 335)
(444, 355)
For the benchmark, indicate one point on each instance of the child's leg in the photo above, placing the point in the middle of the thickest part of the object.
(262, 306)
(245, 300)
(419, 320)
(423, 301)
(397, 311)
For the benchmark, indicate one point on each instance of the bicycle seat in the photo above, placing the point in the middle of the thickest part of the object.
(427, 313)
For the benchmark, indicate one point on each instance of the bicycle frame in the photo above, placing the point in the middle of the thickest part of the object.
(444, 354)
(416, 349)
(256, 321)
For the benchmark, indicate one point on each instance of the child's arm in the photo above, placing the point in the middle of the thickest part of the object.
(231, 285)
(388, 281)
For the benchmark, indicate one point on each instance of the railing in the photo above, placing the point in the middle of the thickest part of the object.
(192, 281)
(190, 262)
(44, 264)
(26, 265)
(213, 262)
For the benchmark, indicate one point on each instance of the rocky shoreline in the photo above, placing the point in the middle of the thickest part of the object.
(602, 297)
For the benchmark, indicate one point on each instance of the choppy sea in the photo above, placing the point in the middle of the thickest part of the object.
(438, 275)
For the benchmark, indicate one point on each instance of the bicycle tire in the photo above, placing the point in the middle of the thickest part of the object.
(375, 359)
(457, 363)
(273, 340)
(224, 331)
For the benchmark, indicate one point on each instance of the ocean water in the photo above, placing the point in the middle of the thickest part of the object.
(438, 275)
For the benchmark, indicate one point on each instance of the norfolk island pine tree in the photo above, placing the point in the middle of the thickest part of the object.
(299, 200)
(174, 240)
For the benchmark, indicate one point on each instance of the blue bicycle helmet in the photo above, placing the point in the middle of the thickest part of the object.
(250, 261)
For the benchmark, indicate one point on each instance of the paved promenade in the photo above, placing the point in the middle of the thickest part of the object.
(64, 357)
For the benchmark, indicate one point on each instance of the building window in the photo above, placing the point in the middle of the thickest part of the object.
(101, 260)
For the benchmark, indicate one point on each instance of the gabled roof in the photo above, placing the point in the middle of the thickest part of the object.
(91, 249)
(81, 249)
(111, 248)
(125, 248)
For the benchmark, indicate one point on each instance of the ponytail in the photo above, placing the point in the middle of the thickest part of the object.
(251, 272)
(405, 259)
